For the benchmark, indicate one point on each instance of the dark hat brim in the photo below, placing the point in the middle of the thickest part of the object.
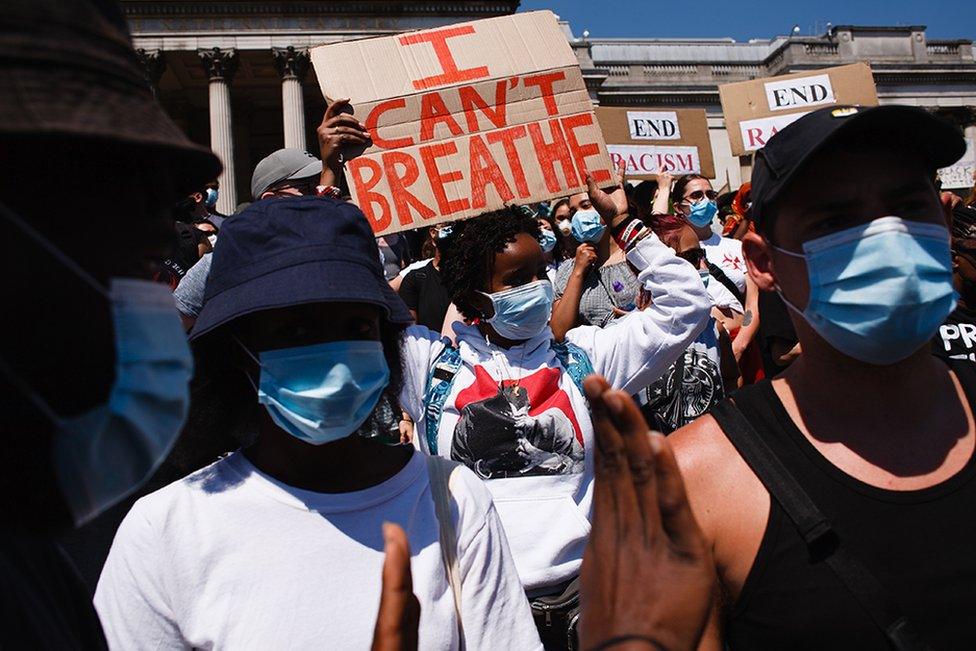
(75, 104)
(932, 141)
(318, 281)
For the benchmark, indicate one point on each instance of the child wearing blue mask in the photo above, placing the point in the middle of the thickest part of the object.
(280, 544)
(506, 401)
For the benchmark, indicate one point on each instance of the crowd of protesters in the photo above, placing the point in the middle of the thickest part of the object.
(647, 416)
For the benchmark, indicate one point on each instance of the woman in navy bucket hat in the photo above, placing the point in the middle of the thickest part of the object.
(280, 545)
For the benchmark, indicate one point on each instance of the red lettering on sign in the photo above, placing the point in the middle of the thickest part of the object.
(508, 137)
(645, 165)
(471, 100)
(451, 73)
(549, 153)
(615, 159)
(685, 162)
(582, 152)
(429, 155)
(434, 111)
(367, 198)
(485, 170)
(403, 199)
(755, 138)
(372, 122)
(545, 82)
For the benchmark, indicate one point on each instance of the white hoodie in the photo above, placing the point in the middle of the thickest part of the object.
(517, 419)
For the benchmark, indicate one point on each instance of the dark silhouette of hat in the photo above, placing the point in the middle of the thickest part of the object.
(68, 70)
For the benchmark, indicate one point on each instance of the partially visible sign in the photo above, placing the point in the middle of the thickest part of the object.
(756, 110)
(465, 119)
(647, 140)
(959, 175)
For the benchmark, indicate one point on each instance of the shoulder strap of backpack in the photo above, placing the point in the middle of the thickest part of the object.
(575, 360)
(439, 381)
(716, 272)
(441, 472)
(814, 527)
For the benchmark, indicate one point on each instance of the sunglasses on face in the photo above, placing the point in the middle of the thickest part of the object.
(694, 256)
(698, 195)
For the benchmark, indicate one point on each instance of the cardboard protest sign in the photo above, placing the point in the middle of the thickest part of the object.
(755, 110)
(648, 139)
(465, 119)
(959, 175)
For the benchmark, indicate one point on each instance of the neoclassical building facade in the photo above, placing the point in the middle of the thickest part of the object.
(235, 74)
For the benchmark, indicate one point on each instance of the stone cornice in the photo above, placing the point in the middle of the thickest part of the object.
(179, 9)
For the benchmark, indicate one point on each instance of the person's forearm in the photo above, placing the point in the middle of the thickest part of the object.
(565, 313)
(660, 205)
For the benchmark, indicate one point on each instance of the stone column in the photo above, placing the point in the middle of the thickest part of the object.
(292, 65)
(221, 66)
(153, 65)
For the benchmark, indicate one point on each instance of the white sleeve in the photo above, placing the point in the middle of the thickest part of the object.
(494, 609)
(420, 348)
(638, 348)
(722, 297)
(130, 599)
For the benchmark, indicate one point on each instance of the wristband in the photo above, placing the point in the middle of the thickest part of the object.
(328, 191)
(629, 232)
(620, 639)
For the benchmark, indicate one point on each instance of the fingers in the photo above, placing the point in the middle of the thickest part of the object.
(399, 613)
(640, 458)
(335, 108)
(621, 172)
(677, 519)
(591, 187)
(614, 500)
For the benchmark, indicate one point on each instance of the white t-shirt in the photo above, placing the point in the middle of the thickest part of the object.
(726, 253)
(229, 558)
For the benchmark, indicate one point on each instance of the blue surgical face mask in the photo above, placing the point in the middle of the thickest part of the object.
(702, 212)
(325, 392)
(878, 291)
(211, 198)
(104, 454)
(547, 239)
(444, 232)
(522, 312)
(588, 226)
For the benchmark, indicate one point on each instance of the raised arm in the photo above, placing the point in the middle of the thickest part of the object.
(639, 347)
(565, 313)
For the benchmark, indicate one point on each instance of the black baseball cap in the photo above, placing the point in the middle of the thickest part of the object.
(934, 141)
(293, 251)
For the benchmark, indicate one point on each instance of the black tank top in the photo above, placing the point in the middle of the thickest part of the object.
(921, 545)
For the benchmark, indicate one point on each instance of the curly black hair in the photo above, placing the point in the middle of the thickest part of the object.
(468, 263)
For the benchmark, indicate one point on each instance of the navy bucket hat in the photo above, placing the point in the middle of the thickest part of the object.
(292, 251)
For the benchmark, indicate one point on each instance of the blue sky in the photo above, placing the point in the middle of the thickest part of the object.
(745, 19)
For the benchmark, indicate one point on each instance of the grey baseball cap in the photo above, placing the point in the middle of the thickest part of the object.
(283, 164)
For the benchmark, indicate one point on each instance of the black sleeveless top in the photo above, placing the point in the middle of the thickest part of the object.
(921, 545)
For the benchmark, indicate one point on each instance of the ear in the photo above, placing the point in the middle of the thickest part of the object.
(481, 303)
(197, 197)
(759, 261)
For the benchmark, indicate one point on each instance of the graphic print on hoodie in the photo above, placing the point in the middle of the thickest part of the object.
(517, 428)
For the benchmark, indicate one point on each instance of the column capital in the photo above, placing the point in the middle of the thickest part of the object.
(291, 62)
(220, 64)
(153, 65)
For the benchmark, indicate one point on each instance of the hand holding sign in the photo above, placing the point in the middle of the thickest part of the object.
(339, 132)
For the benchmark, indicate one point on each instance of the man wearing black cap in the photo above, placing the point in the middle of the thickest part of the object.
(837, 497)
